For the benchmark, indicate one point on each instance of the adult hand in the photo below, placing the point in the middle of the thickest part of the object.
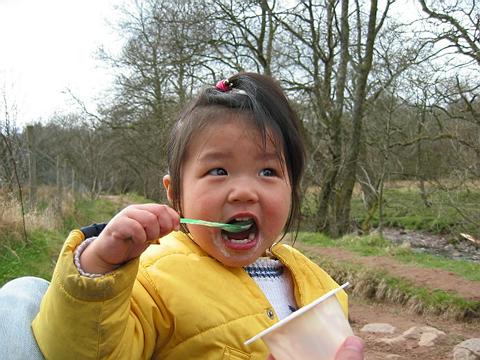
(351, 349)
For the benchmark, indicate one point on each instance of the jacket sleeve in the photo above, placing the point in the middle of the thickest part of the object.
(96, 318)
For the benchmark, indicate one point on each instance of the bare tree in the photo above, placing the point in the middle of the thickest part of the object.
(245, 36)
(10, 156)
(330, 63)
(165, 57)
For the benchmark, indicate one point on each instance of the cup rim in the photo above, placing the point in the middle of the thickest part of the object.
(296, 314)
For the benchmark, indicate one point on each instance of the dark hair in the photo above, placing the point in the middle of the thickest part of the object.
(261, 99)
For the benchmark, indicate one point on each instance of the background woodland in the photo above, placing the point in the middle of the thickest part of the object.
(382, 101)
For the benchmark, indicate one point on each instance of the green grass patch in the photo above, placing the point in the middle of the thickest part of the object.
(100, 210)
(404, 207)
(34, 259)
(91, 211)
(374, 245)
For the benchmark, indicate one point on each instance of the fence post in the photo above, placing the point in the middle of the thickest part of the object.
(32, 166)
(73, 182)
(59, 185)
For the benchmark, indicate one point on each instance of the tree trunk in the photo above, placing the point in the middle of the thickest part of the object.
(348, 176)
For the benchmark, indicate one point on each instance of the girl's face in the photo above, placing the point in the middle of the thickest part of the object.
(229, 176)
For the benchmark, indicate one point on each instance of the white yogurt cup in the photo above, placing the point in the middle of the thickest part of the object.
(313, 332)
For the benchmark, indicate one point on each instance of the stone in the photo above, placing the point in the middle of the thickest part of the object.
(427, 339)
(391, 341)
(378, 328)
(416, 332)
(426, 336)
(467, 350)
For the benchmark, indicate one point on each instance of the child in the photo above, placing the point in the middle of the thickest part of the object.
(147, 287)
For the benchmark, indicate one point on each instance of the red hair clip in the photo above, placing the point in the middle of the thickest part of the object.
(223, 85)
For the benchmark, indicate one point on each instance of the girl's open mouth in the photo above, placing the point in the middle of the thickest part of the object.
(243, 240)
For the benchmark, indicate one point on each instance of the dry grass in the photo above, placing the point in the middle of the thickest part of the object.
(48, 216)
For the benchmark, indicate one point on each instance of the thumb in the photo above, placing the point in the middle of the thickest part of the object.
(351, 349)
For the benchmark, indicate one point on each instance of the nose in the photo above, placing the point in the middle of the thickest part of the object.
(243, 190)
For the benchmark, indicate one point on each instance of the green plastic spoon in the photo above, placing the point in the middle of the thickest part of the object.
(237, 227)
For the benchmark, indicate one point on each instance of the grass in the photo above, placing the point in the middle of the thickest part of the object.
(373, 245)
(378, 285)
(403, 207)
(90, 211)
(37, 257)
(34, 259)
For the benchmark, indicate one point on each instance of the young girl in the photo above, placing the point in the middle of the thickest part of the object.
(147, 286)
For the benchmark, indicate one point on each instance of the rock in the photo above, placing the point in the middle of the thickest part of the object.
(378, 328)
(467, 350)
(426, 336)
(427, 339)
(416, 332)
(391, 341)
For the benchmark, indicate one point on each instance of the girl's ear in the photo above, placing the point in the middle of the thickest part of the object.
(167, 183)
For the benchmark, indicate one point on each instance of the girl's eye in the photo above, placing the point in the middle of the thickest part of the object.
(218, 172)
(268, 172)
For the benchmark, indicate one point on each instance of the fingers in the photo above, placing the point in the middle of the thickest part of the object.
(145, 222)
(351, 349)
(127, 236)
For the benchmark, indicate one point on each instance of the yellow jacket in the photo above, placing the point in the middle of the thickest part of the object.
(176, 302)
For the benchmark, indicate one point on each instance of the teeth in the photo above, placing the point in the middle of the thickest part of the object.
(244, 241)
(251, 237)
(243, 219)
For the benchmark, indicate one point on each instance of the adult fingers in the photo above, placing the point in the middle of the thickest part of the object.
(351, 349)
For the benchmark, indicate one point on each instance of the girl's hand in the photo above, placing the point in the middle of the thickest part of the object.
(127, 236)
(351, 349)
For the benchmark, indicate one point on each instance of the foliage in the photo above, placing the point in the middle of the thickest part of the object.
(380, 100)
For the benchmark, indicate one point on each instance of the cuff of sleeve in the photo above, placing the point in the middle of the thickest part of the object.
(76, 258)
(84, 288)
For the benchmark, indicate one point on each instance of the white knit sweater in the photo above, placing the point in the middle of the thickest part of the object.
(276, 283)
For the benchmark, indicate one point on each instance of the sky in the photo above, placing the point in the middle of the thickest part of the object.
(49, 46)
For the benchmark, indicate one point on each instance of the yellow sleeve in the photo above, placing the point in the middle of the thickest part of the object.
(96, 318)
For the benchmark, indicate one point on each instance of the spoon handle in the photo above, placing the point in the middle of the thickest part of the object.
(228, 227)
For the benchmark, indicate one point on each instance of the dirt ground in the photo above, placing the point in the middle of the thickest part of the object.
(429, 278)
(363, 312)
